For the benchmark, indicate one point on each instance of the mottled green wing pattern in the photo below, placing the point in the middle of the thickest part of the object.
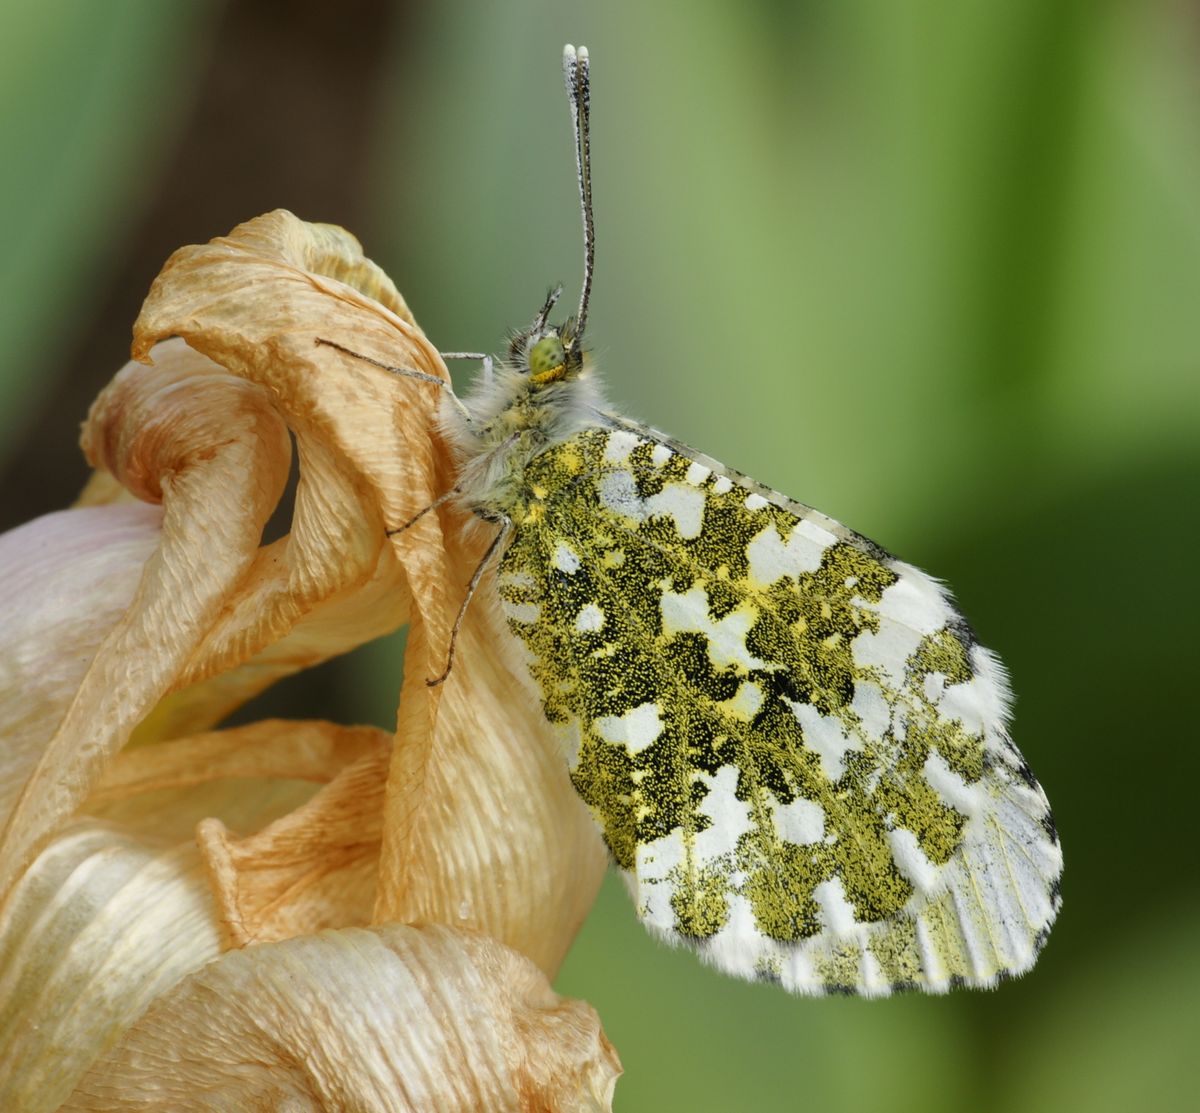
(794, 746)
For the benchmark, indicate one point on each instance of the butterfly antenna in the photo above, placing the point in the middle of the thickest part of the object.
(575, 73)
(539, 322)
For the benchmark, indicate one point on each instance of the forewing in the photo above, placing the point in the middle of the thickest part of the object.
(795, 748)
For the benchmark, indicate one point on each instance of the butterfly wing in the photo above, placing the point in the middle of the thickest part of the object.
(795, 748)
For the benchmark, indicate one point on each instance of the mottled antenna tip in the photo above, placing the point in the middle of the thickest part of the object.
(572, 59)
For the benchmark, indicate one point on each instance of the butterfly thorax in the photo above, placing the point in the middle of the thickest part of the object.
(537, 400)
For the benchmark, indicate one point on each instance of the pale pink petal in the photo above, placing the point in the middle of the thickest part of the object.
(65, 581)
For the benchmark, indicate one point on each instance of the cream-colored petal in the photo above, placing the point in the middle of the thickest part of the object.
(65, 581)
(98, 927)
(257, 301)
(396, 1018)
(304, 750)
(309, 867)
(499, 840)
(331, 627)
(171, 815)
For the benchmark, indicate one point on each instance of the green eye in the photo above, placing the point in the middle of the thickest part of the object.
(546, 355)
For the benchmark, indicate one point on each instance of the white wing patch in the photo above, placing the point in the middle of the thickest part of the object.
(682, 503)
(802, 821)
(618, 445)
(689, 613)
(565, 559)
(772, 558)
(590, 619)
(825, 736)
(635, 730)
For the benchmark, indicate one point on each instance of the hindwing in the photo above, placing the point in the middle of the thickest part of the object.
(796, 750)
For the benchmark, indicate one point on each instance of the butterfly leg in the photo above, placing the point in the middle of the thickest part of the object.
(406, 372)
(439, 501)
(506, 528)
(483, 358)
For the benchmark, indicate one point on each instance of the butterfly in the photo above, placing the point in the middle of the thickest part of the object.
(793, 743)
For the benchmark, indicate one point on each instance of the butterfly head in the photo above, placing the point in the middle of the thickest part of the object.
(548, 353)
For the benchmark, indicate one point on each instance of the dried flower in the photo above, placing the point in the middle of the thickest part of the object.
(135, 622)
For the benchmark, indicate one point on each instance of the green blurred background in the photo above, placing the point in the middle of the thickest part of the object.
(931, 267)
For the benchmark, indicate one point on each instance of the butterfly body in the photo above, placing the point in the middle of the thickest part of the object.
(792, 742)
(505, 422)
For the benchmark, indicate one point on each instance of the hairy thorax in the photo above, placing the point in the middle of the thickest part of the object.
(505, 423)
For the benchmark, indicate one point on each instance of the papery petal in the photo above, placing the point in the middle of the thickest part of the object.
(65, 581)
(311, 868)
(305, 750)
(171, 815)
(95, 930)
(375, 608)
(215, 449)
(399, 1018)
(500, 841)
(481, 825)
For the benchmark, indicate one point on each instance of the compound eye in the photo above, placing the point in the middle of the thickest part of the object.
(547, 359)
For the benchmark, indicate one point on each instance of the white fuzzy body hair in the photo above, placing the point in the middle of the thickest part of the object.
(503, 422)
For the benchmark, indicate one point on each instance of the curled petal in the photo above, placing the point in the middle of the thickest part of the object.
(333, 626)
(402, 1018)
(469, 818)
(311, 869)
(217, 456)
(477, 789)
(311, 751)
(498, 839)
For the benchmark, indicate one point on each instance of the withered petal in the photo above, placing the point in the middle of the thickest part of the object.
(311, 869)
(302, 749)
(66, 580)
(395, 1017)
(217, 456)
(97, 928)
(481, 825)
